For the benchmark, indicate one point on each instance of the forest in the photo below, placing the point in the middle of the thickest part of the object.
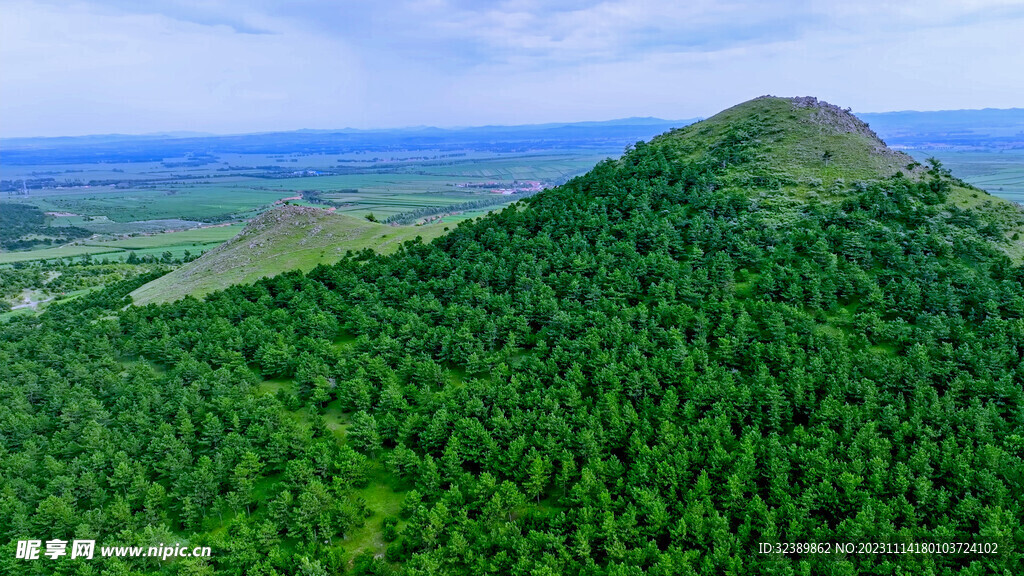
(24, 226)
(650, 369)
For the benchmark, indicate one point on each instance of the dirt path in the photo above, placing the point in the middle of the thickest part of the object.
(30, 303)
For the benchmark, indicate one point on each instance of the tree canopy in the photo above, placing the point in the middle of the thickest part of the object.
(648, 370)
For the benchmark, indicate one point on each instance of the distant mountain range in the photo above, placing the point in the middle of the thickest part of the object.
(609, 136)
(988, 128)
(966, 129)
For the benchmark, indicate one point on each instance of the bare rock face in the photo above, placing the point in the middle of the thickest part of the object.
(843, 121)
(838, 119)
(287, 213)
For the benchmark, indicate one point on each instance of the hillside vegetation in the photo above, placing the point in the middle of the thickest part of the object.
(650, 370)
(788, 142)
(284, 238)
(783, 152)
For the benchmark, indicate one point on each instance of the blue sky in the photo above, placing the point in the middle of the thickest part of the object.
(228, 66)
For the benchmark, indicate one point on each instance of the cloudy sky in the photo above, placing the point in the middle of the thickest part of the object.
(73, 67)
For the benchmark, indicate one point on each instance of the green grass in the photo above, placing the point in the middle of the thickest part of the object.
(7, 316)
(177, 243)
(272, 386)
(287, 238)
(174, 201)
(337, 420)
(789, 142)
(212, 234)
(383, 501)
(381, 495)
(69, 251)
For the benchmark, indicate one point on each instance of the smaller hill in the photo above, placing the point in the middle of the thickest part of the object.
(282, 239)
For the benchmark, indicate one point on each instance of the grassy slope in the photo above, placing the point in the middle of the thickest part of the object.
(285, 238)
(790, 137)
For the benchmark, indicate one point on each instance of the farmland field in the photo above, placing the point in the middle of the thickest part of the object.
(186, 201)
(999, 172)
(146, 198)
(176, 243)
(104, 225)
(54, 253)
(197, 236)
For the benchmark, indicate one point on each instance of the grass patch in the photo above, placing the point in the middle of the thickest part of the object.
(383, 500)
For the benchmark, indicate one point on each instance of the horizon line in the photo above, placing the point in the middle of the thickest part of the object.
(183, 134)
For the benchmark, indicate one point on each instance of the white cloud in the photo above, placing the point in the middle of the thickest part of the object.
(230, 66)
(137, 72)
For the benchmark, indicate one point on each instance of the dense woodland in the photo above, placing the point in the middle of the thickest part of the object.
(23, 226)
(644, 371)
(59, 277)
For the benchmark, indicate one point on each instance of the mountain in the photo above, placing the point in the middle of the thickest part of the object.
(959, 129)
(696, 359)
(783, 145)
(791, 141)
(794, 149)
(284, 238)
(610, 135)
